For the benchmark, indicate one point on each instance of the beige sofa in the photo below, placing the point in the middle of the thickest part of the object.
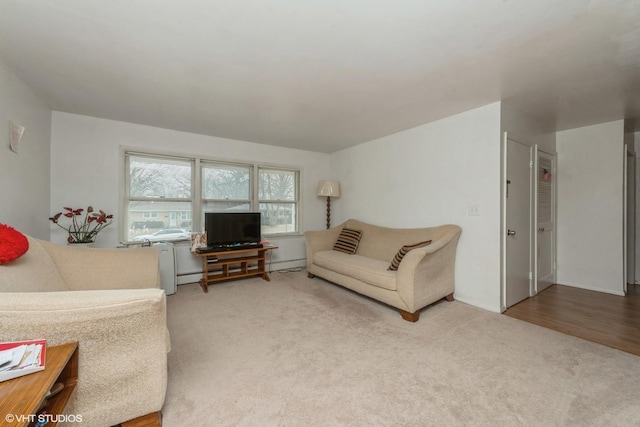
(110, 302)
(424, 276)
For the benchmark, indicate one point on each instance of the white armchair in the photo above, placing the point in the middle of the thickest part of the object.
(109, 301)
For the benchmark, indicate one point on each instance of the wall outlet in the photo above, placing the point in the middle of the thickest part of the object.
(473, 209)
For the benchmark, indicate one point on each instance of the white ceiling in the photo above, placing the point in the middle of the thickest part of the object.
(325, 75)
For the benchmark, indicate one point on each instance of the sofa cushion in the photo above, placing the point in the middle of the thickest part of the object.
(348, 241)
(32, 272)
(13, 244)
(395, 263)
(383, 243)
(368, 270)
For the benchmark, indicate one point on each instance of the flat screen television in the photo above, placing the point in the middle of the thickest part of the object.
(226, 228)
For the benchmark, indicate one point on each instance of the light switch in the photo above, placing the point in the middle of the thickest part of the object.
(473, 209)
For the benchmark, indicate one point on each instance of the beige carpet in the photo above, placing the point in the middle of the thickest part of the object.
(304, 352)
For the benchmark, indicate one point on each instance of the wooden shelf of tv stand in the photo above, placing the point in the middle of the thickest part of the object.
(234, 264)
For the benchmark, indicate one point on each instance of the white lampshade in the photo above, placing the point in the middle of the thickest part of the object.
(329, 188)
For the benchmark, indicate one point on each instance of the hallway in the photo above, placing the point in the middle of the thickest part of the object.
(607, 319)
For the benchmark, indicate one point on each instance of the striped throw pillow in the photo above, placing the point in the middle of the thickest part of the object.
(403, 251)
(348, 241)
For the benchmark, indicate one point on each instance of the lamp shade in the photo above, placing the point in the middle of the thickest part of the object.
(329, 188)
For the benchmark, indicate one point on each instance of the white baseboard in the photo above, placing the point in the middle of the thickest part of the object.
(285, 265)
(589, 288)
(189, 278)
(461, 298)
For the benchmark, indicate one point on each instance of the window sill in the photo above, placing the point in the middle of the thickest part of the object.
(282, 235)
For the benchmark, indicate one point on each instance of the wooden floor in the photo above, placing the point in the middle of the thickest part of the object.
(599, 317)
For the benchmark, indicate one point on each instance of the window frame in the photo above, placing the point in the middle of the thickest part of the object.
(296, 196)
(251, 170)
(197, 200)
(127, 198)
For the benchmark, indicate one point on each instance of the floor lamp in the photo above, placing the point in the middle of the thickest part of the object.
(329, 189)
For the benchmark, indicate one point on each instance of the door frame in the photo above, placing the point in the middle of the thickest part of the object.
(629, 217)
(533, 239)
(534, 267)
(503, 221)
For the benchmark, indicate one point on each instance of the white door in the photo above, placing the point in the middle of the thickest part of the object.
(631, 218)
(545, 223)
(518, 222)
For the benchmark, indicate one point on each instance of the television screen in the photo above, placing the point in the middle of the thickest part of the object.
(224, 228)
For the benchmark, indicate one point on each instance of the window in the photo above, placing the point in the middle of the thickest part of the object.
(278, 199)
(159, 192)
(226, 188)
(161, 195)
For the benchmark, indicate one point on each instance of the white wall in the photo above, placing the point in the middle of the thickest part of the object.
(24, 177)
(85, 170)
(427, 176)
(590, 207)
(527, 130)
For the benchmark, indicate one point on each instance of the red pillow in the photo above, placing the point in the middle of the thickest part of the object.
(13, 244)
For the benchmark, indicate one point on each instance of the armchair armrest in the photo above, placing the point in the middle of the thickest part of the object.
(93, 268)
(123, 344)
(427, 274)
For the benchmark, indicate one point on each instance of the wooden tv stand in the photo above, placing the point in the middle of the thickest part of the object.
(233, 264)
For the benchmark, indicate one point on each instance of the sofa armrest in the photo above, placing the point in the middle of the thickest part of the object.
(320, 240)
(426, 274)
(123, 344)
(99, 268)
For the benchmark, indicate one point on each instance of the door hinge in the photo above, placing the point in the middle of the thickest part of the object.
(530, 163)
(530, 276)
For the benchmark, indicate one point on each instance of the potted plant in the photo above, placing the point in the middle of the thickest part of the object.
(83, 230)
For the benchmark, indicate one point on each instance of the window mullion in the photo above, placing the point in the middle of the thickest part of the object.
(255, 182)
(196, 194)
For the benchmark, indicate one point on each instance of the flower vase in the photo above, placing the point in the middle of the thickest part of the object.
(81, 244)
(80, 239)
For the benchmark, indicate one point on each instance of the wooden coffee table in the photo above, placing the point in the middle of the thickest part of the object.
(21, 398)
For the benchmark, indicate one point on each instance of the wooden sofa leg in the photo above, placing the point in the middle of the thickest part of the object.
(410, 317)
(311, 275)
(153, 419)
(449, 297)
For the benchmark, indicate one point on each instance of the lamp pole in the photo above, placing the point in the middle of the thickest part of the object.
(329, 189)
